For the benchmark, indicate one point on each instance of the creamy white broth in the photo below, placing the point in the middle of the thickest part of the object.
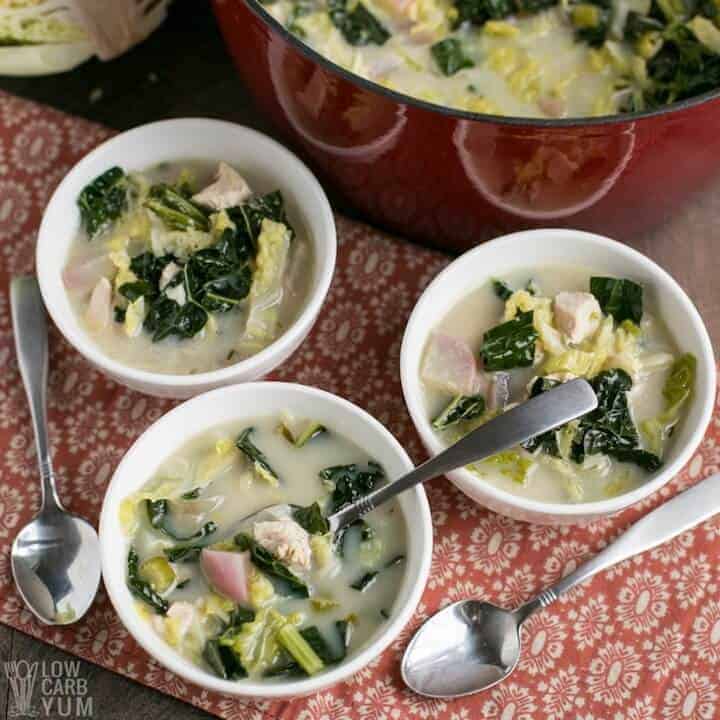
(527, 58)
(231, 492)
(525, 66)
(481, 310)
(221, 342)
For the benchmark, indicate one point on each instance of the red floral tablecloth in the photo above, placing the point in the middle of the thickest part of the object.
(641, 642)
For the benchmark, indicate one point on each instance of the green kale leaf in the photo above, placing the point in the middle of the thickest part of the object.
(460, 408)
(311, 519)
(349, 483)
(450, 56)
(141, 588)
(619, 297)
(358, 26)
(158, 512)
(510, 344)
(103, 201)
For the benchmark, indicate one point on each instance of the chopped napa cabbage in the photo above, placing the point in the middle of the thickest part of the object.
(515, 465)
(158, 572)
(681, 381)
(678, 388)
(215, 463)
(706, 32)
(321, 604)
(522, 301)
(567, 473)
(616, 347)
(370, 552)
(127, 514)
(620, 484)
(266, 290)
(36, 22)
(180, 627)
(133, 227)
(181, 243)
(321, 547)
(654, 362)
(261, 589)
(219, 222)
(214, 604)
(300, 649)
(134, 317)
(120, 259)
(224, 446)
(572, 362)
(565, 436)
(256, 643)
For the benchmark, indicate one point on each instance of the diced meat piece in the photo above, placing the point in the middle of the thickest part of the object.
(228, 190)
(449, 365)
(84, 275)
(499, 394)
(287, 540)
(168, 273)
(577, 315)
(228, 573)
(552, 106)
(98, 312)
(183, 613)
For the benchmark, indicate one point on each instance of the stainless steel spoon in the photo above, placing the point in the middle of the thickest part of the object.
(533, 417)
(56, 557)
(471, 645)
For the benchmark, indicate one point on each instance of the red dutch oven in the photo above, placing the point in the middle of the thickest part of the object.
(452, 178)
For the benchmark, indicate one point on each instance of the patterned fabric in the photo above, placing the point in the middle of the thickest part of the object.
(640, 642)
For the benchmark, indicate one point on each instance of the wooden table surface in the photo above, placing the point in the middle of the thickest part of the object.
(184, 70)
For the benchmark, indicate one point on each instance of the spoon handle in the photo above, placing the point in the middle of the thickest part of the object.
(31, 344)
(545, 412)
(684, 511)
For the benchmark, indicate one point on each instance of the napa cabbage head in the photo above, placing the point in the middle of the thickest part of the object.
(40, 37)
(34, 22)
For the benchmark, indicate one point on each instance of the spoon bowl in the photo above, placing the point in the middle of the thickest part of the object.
(466, 646)
(56, 566)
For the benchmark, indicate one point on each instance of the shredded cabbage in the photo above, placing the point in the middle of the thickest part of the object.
(266, 290)
(706, 32)
(678, 388)
(261, 589)
(513, 464)
(256, 643)
(523, 301)
(321, 550)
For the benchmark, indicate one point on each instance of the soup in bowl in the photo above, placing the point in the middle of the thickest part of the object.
(271, 605)
(506, 326)
(186, 254)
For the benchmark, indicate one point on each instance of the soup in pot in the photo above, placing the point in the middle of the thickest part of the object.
(526, 58)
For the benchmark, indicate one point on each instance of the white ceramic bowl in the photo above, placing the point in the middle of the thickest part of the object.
(238, 404)
(536, 248)
(266, 164)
